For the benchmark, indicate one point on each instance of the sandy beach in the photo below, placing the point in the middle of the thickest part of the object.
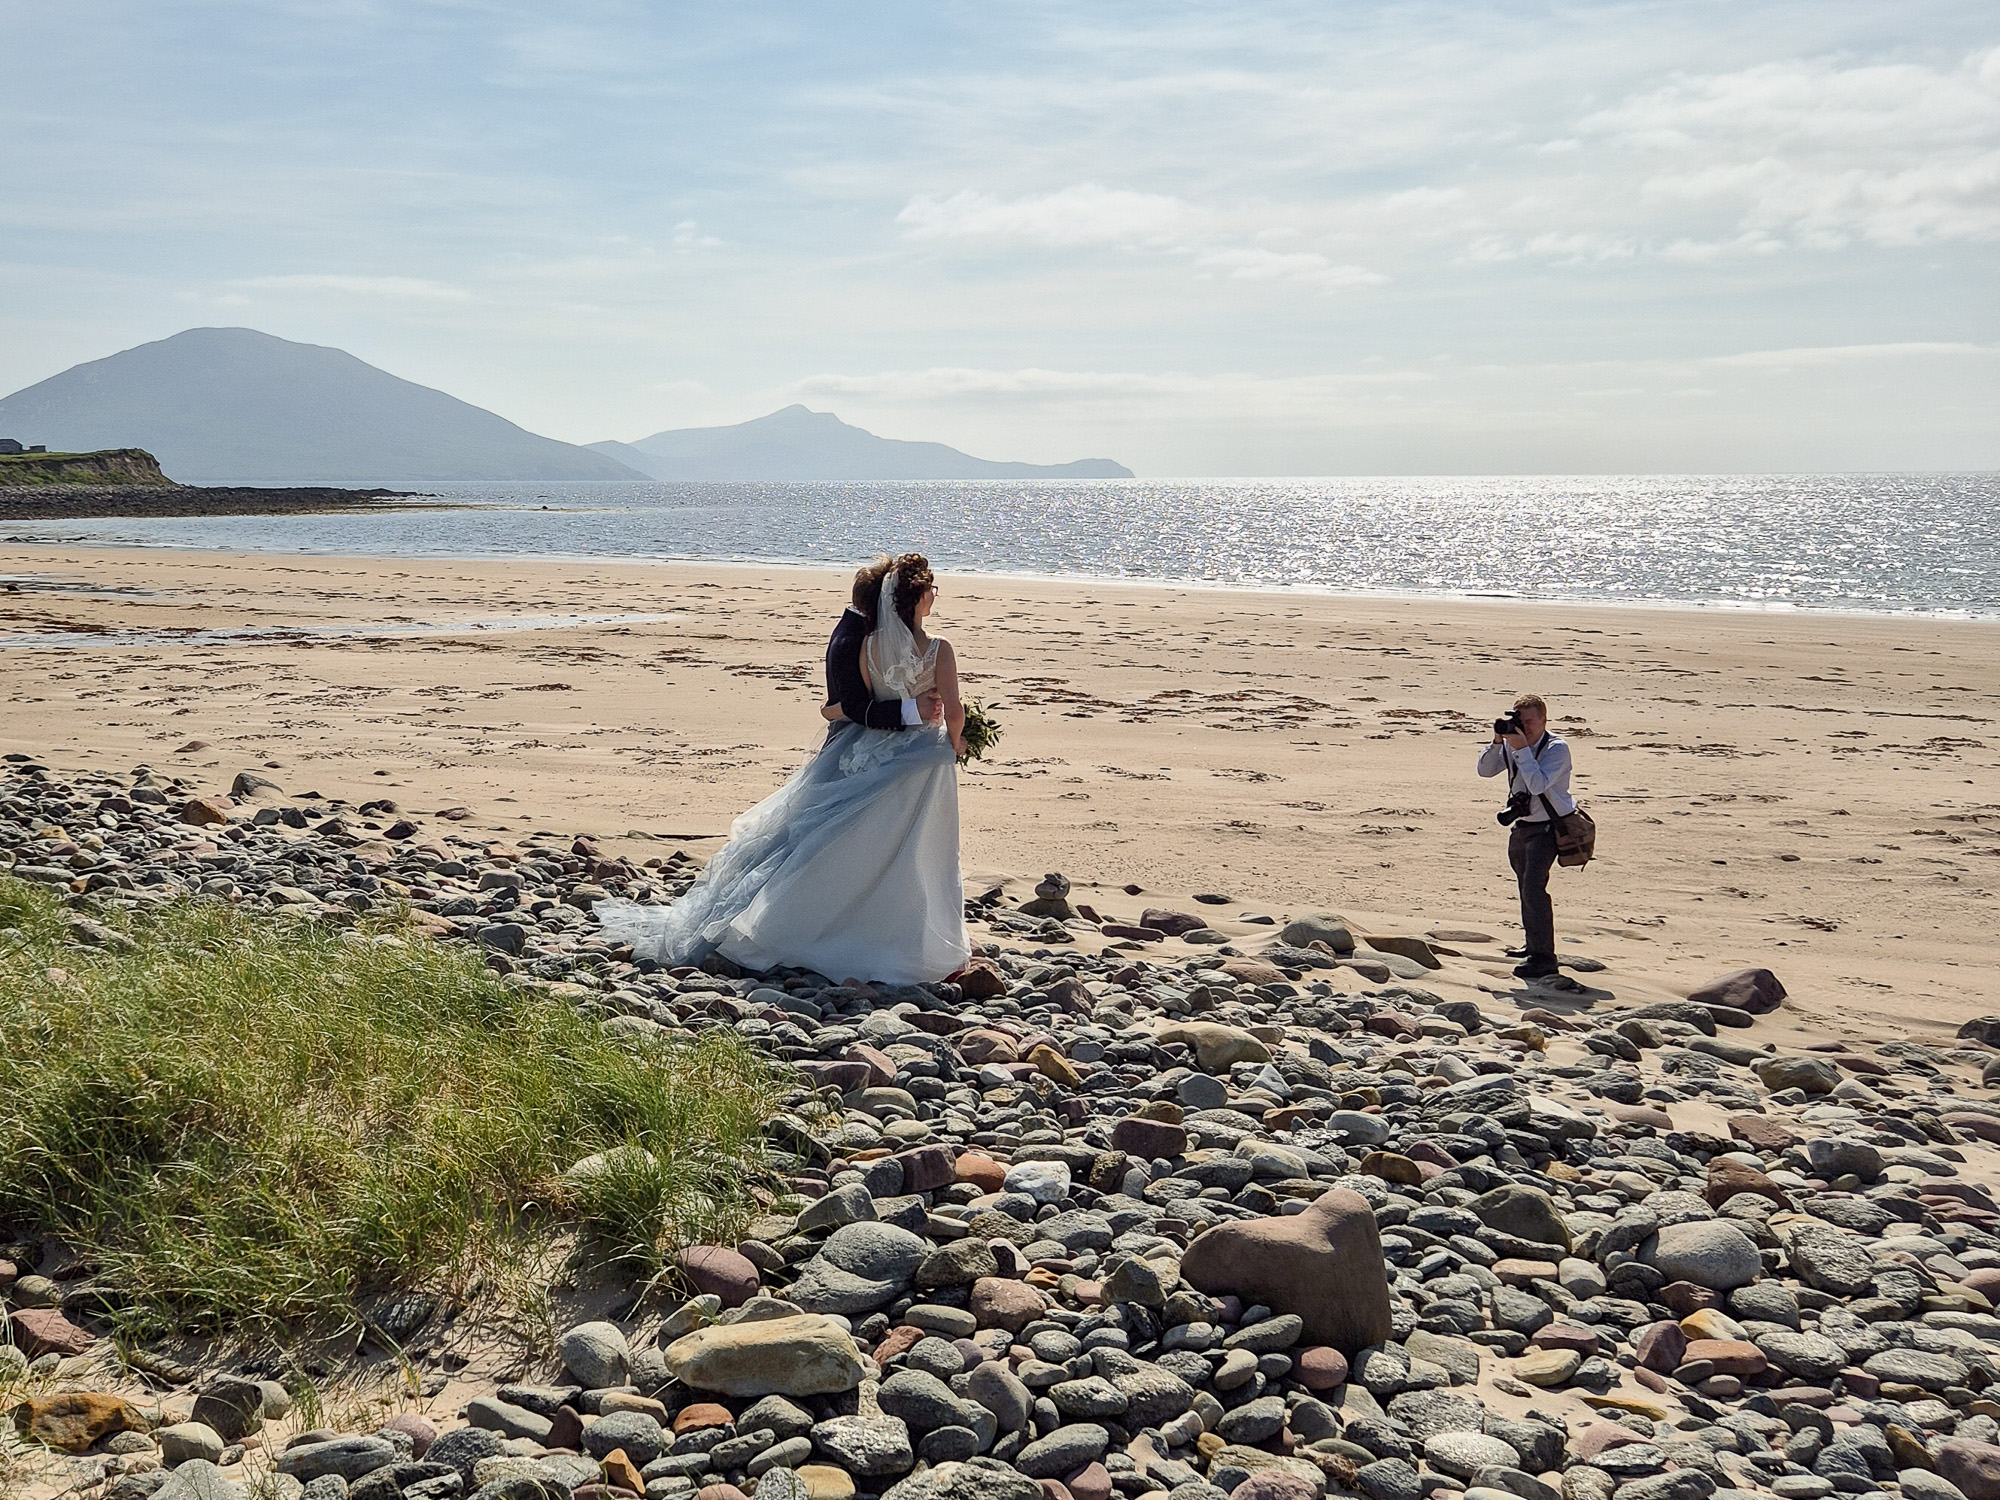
(1812, 793)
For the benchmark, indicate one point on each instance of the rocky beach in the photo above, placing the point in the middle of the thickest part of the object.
(1236, 1163)
(1170, 1198)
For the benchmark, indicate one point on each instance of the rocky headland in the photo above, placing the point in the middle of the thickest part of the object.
(94, 500)
(1128, 1207)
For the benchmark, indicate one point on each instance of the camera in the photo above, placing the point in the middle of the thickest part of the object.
(1511, 724)
(1515, 810)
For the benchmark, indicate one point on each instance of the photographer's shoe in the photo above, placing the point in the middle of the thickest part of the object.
(1537, 968)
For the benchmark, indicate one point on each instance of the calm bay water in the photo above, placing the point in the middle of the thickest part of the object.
(1861, 542)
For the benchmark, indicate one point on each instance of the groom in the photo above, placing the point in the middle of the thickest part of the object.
(845, 685)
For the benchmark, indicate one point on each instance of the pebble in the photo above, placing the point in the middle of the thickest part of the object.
(1186, 1224)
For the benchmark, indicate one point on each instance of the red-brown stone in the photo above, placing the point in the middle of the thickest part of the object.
(1762, 1132)
(718, 1271)
(1324, 1264)
(1602, 1437)
(700, 1415)
(898, 1340)
(983, 1172)
(1661, 1346)
(1566, 1336)
(984, 1045)
(981, 979)
(927, 1168)
(1728, 1178)
(1000, 1303)
(43, 1330)
(1729, 1356)
(1321, 1368)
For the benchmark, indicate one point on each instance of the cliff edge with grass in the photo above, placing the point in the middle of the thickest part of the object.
(123, 467)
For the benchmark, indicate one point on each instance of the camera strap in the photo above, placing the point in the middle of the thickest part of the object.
(1514, 767)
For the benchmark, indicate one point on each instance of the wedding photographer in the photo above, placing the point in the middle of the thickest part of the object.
(1536, 763)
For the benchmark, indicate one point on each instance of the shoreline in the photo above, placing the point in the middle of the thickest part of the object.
(1727, 607)
(98, 502)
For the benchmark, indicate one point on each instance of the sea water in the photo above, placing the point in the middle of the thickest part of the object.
(1872, 543)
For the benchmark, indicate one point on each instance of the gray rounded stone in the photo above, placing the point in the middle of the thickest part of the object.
(976, 1479)
(1063, 1451)
(1093, 1396)
(1914, 1367)
(1713, 1253)
(637, 1432)
(185, 1441)
(996, 1388)
(1464, 1454)
(922, 1402)
(1252, 1422)
(596, 1354)
(867, 1447)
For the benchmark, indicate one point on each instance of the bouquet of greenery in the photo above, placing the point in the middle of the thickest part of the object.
(982, 732)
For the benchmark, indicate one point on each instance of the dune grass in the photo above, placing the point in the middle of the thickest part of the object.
(252, 1123)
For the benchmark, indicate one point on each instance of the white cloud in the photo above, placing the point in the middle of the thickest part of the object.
(1843, 354)
(1333, 396)
(1816, 155)
(1086, 214)
(1090, 216)
(688, 236)
(1307, 267)
(409, 288)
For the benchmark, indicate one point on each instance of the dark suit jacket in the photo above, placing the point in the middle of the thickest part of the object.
(845, 684)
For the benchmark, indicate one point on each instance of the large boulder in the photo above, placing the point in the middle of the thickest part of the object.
(800, 1355)
(1217, 1047)
(1756, 991)
(861, 1267)
(1526, 1213)
(1727, 1178)
(976, 1479)
(720, 1272)
(1324, 1264)
(232, 1405)
(1974, 1467)
(74, 1420)
(1318, 927)
(349, 1457)
(1712, 1253)
(596, 1354)
(1812, 1075)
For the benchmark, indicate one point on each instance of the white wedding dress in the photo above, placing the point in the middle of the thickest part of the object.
(850, 869)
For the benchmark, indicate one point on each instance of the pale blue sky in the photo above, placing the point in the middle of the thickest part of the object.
(1267, 239)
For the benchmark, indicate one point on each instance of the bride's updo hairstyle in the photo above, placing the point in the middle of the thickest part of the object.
(912, 576)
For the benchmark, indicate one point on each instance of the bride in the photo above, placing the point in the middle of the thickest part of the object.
(850, 869)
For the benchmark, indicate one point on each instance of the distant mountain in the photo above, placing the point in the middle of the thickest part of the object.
(236, 404)
(802, 445)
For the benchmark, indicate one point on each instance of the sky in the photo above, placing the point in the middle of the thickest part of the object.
(1255, 239)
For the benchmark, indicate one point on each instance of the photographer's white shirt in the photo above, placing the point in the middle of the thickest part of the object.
(1540, 771)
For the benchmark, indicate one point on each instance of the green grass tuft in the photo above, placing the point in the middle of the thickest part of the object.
(250, 1123)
